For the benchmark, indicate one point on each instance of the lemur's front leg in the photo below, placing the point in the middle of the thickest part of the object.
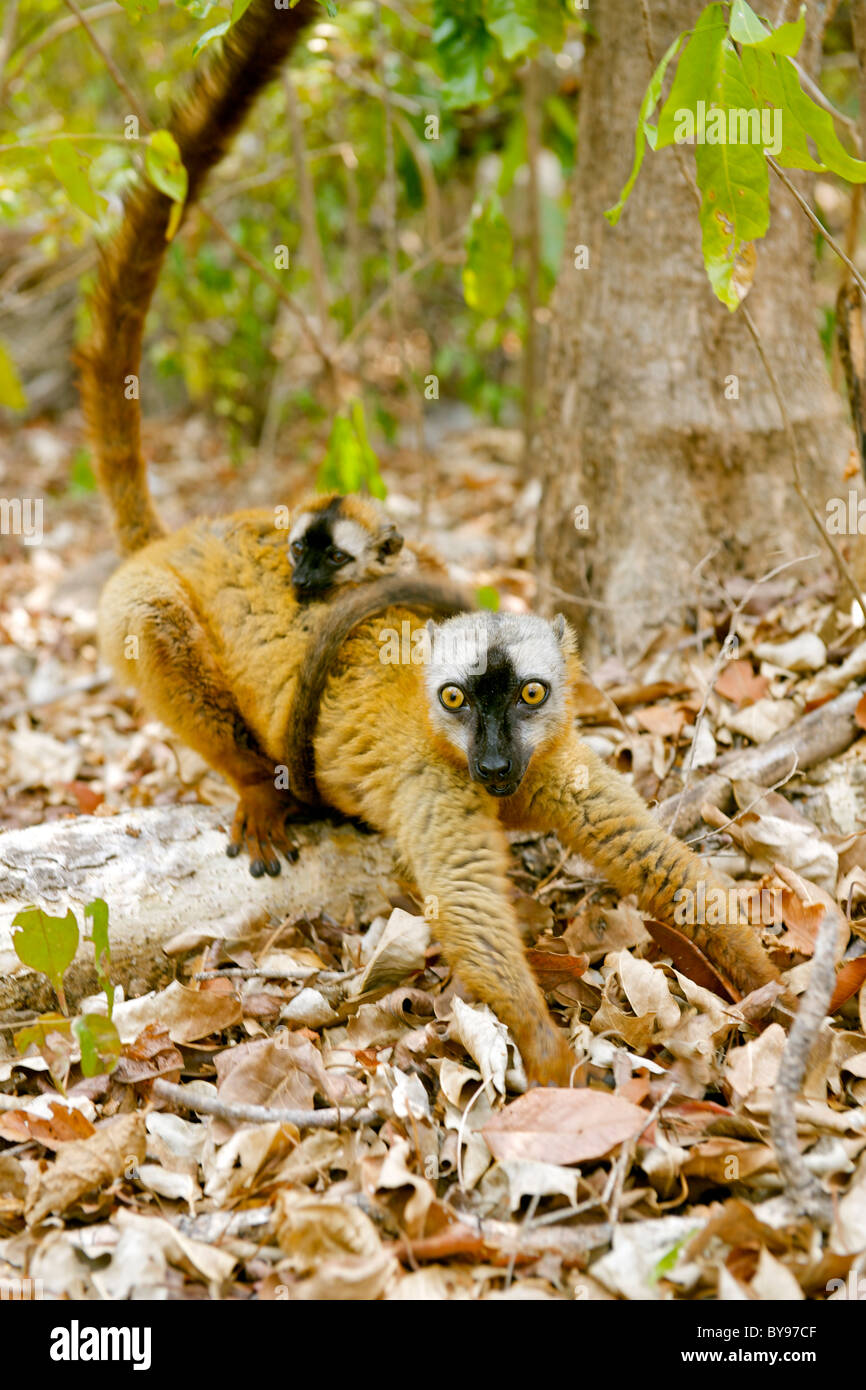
(595, 812)
(457, 851)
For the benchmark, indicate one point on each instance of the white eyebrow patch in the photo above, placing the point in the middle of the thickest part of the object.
(300, 526)
(350, 536)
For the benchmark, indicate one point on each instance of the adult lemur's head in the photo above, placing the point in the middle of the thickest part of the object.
(337, 540)
(497, 689)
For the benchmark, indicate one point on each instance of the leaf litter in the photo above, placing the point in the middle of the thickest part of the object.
(442, 1176)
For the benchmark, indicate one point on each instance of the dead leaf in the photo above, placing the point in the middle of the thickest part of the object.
(689, 959)
(555, 1125)
(739, 684)
(662, 719)
(285, 1071)
(149, 1055)
(188, 1014)
(848, 981)
(87, 1165)
(63, 1125)
(553, 971)
(333, 1248)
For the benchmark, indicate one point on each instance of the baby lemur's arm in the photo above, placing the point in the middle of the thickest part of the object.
(432, 597)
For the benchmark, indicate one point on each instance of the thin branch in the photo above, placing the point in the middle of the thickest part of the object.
(816, 221)
(236, 1113)
(116, 75)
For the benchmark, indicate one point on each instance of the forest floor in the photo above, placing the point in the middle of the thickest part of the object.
(654, 1178)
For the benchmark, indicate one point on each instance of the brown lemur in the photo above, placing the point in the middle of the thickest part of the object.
(446, 750)
(180, 618)
(206, 624)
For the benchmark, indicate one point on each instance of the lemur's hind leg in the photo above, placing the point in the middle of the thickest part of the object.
(457, 851)
(154, 639)
(595, 812)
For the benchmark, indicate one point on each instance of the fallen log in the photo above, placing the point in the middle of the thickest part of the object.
(163, 871)
(825, 733)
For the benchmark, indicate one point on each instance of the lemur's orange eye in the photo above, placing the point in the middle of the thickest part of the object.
(533, 693)
(452, 696)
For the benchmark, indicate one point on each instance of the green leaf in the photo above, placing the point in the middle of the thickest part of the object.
(488, 597)
(71, 166)
(350, 464)
(239, 7)
(697, 73)
(464, 48)
(746, 28)
(514, 23)
(735, 195)
(643, 130)
(81, 475)
(11, 391)
(488, 274)
(765, 84)
(164, 166)
(819, 124)
(100, 1044)
(96, 914)
(45, 943)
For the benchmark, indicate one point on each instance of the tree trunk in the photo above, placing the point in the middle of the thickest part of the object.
(638, 428)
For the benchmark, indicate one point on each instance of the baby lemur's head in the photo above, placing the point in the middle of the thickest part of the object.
(497, 690)
(337, 540)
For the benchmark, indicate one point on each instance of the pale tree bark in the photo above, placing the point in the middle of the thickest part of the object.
(638, 428)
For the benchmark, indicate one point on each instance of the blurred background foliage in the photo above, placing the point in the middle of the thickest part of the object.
(415, 125)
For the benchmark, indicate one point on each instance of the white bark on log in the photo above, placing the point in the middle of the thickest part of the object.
(163, 871)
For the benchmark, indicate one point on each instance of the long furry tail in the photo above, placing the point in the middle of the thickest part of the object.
(203, 125)
(434, 597)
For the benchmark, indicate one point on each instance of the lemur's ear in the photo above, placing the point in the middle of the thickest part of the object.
(564, 634)
(390, 541)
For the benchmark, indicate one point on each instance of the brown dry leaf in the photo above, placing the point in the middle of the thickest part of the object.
(13, 1187)
(662, 719)
(553, 971)
(65, 1124)
(593, 705)
(860, 712)
(725, 1160)
(802, 921)
(555, 1125)
(86, 1165)
(752, 1069)
(333, 1248)
(285, 1071)
(188, 1014)
(689, 959)
(636, 1033)
(151, 1054)
(848, 981)
(594, 933)
(739, 684)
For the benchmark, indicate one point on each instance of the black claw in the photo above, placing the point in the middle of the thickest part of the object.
(257, 867)
(293, 855)
(233, 851)
(272, 867)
